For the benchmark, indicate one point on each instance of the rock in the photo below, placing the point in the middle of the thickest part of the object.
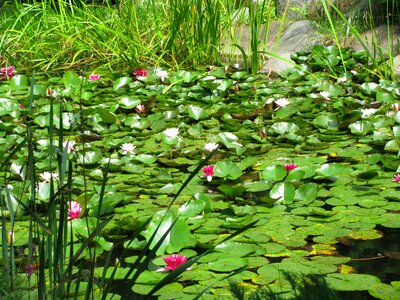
(396, 66)
(230, 53)
(295, 9)
(300, 36)
(378, 42)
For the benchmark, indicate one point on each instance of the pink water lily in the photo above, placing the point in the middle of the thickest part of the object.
(174, 261)
(396, 106)
(74, 210)
(141, 73)
(396, 178)
(140, 108)
(289, 167)
(208, 171)
(7, 73)
(94, 77)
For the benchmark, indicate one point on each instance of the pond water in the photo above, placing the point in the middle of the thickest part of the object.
(311, 159)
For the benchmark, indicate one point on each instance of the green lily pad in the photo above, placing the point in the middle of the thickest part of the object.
(197, 113)
(227, 169)
(274, 173)
(283, 191)
(351, 282)
(128, 102)
(228, 264)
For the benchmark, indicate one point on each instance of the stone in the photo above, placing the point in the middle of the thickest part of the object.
(380, 41)
(295, 9)
(299, 36)
(396, 66)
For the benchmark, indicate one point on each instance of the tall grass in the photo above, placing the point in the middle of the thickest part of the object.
(49, 37)
(378, 54)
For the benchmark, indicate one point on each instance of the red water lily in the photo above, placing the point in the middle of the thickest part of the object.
(208, 171)
(7, 73)
(94, 77)
(173, 261)
(74, 210)
(396, 178)
(289, 167)
(141, 72)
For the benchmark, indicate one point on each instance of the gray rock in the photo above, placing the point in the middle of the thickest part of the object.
(380, 41)
(396, 66)
(300, 36)
(295, 9)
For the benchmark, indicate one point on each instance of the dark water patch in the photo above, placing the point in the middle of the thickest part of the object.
(379, 257)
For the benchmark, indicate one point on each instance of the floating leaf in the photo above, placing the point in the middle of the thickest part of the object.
(283, 191)
(284, 128)
(179, 237)
(275, 173)
(128, 102)
(227, 169)
(351, 282)
(120, 82)
(197, 113)
(227, 264)
(307, 192)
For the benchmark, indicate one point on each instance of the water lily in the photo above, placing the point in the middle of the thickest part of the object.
(211, 146)
(235, 66)
(31, 269)
(209, 77)
(70, 146)
(325, 95)
(7, 73)
(128, 148)
(140, 108)
(10, 237)
(208, 171)
(367, 112)
(94, 77)
(162, 74)
(396, 178)
(51, 93)
(74, 210)
(281, 102)
(46, 176)
(171, 132)
(396, 106)
(141, 73)
(174, 261)
(289, 167)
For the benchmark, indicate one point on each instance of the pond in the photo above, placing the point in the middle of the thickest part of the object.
(308, 159)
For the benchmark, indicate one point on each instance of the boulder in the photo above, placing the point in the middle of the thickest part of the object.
(381, 41)
(295, 9)
(299, 36)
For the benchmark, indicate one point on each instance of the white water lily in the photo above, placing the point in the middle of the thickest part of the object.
(128, 148)
(281, 102)
(70, 146)
(368, 112)
(171, 132)
(209, 77)
(162, 74)
(396, 106)
(211, 146)
(325, 95)
(46, 176)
